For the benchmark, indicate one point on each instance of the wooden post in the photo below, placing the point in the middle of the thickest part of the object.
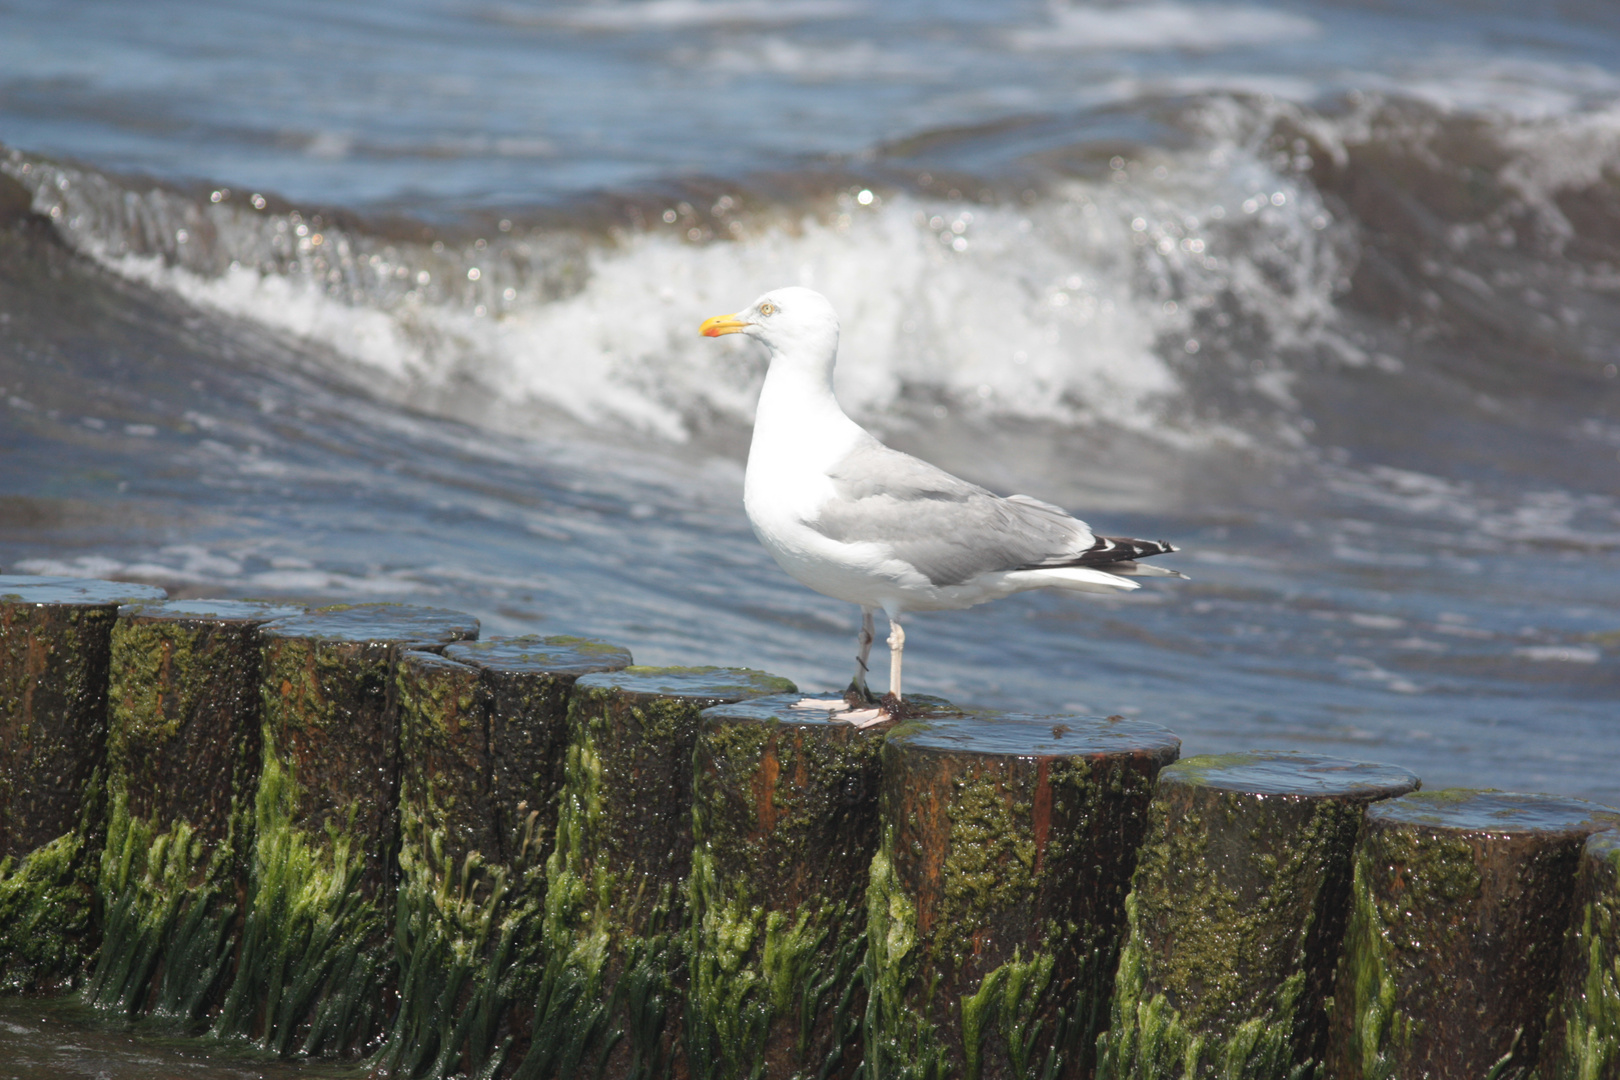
(182, 770)
(1583, 1040)
(481, 734)
(1461, 902)
(1236, 914)
(616, 881)
(784, 827)
(996, 899)
(315, 960)
(55, 641)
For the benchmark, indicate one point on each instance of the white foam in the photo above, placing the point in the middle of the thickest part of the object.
(813, 62)
(665, 14)
(1161, 24)
(1081, 308)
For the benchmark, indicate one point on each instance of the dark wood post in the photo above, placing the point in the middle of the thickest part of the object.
(316, 961)
(616, 881)
(481, 733)
(1461, 902)
(996, 900)
(1236, 915)
(784, 827)
(182, 770)
(55, 642)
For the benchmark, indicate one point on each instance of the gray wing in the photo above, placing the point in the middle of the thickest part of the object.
(947, 528)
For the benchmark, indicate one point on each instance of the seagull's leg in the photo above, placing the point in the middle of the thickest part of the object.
(897, 647)
(858, 695)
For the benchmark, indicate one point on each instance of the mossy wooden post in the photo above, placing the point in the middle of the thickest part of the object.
(1236, 914)
(616, 880)
(55, 640)
(784, 827)
(481, 733)
(996, 898)
(1460, 905)
(315, 959)
(1583, 1040)
(182, 771)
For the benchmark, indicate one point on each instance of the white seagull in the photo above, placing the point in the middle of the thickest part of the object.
(853, 519)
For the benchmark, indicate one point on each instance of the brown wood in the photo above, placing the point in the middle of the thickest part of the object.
(1461, 903)
(997, 896)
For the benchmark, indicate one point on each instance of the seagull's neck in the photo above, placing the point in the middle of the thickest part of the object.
(798, 418)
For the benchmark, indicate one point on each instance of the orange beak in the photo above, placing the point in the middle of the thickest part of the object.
(722, 324)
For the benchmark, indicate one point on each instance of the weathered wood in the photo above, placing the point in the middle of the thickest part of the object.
(481, 734)
(996, 899)
(784, 827)
(526, 682)
(182, 770)
(55, 642)
(616, 881)
(316, 962)
(1236, 915)
(1461, 902)
(1583, 1039)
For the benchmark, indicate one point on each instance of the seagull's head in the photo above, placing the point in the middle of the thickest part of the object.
(791, 321)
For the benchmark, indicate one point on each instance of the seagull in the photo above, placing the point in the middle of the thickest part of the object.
(860, 522)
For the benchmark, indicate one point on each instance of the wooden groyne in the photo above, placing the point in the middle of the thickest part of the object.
(361, 832)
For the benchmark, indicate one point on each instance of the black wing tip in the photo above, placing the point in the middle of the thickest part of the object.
(1113, 549)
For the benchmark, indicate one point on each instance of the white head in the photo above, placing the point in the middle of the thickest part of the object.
(791, 322)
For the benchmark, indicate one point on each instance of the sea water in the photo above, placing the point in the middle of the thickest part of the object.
(398, 301)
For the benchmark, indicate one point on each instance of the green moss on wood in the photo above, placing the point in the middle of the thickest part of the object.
(1149, 1039)
(183, 749)
(168, 902)
(901, 1042)
(784, 828)
(44, 916)
(310, 973)
(1585, 1026)
(615, 904)
(997, 897)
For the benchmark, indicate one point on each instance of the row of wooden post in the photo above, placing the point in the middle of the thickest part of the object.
(360, 831)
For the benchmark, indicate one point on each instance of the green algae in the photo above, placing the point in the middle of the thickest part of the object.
(997, 896)
(53, 682)
(1406, 883)
(604, 929)
(454, 938)
(464, 918)
(1588, 1044)
(900, 1043)
(1238, 908)
(784, 827)
(176, 854)
(310, 970)
(1150, 1038)
(44, 916)
(168, 903)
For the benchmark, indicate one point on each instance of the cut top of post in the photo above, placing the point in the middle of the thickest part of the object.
(391, 623)
(1467, 810)
(536, 655)
(210, 611)
(1027, 735)
(88, 592)
(713, 685)
(1287, 772)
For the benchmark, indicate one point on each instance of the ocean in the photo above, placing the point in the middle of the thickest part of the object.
(399, 301)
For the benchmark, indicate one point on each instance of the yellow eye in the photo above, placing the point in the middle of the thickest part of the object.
(767, 309)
